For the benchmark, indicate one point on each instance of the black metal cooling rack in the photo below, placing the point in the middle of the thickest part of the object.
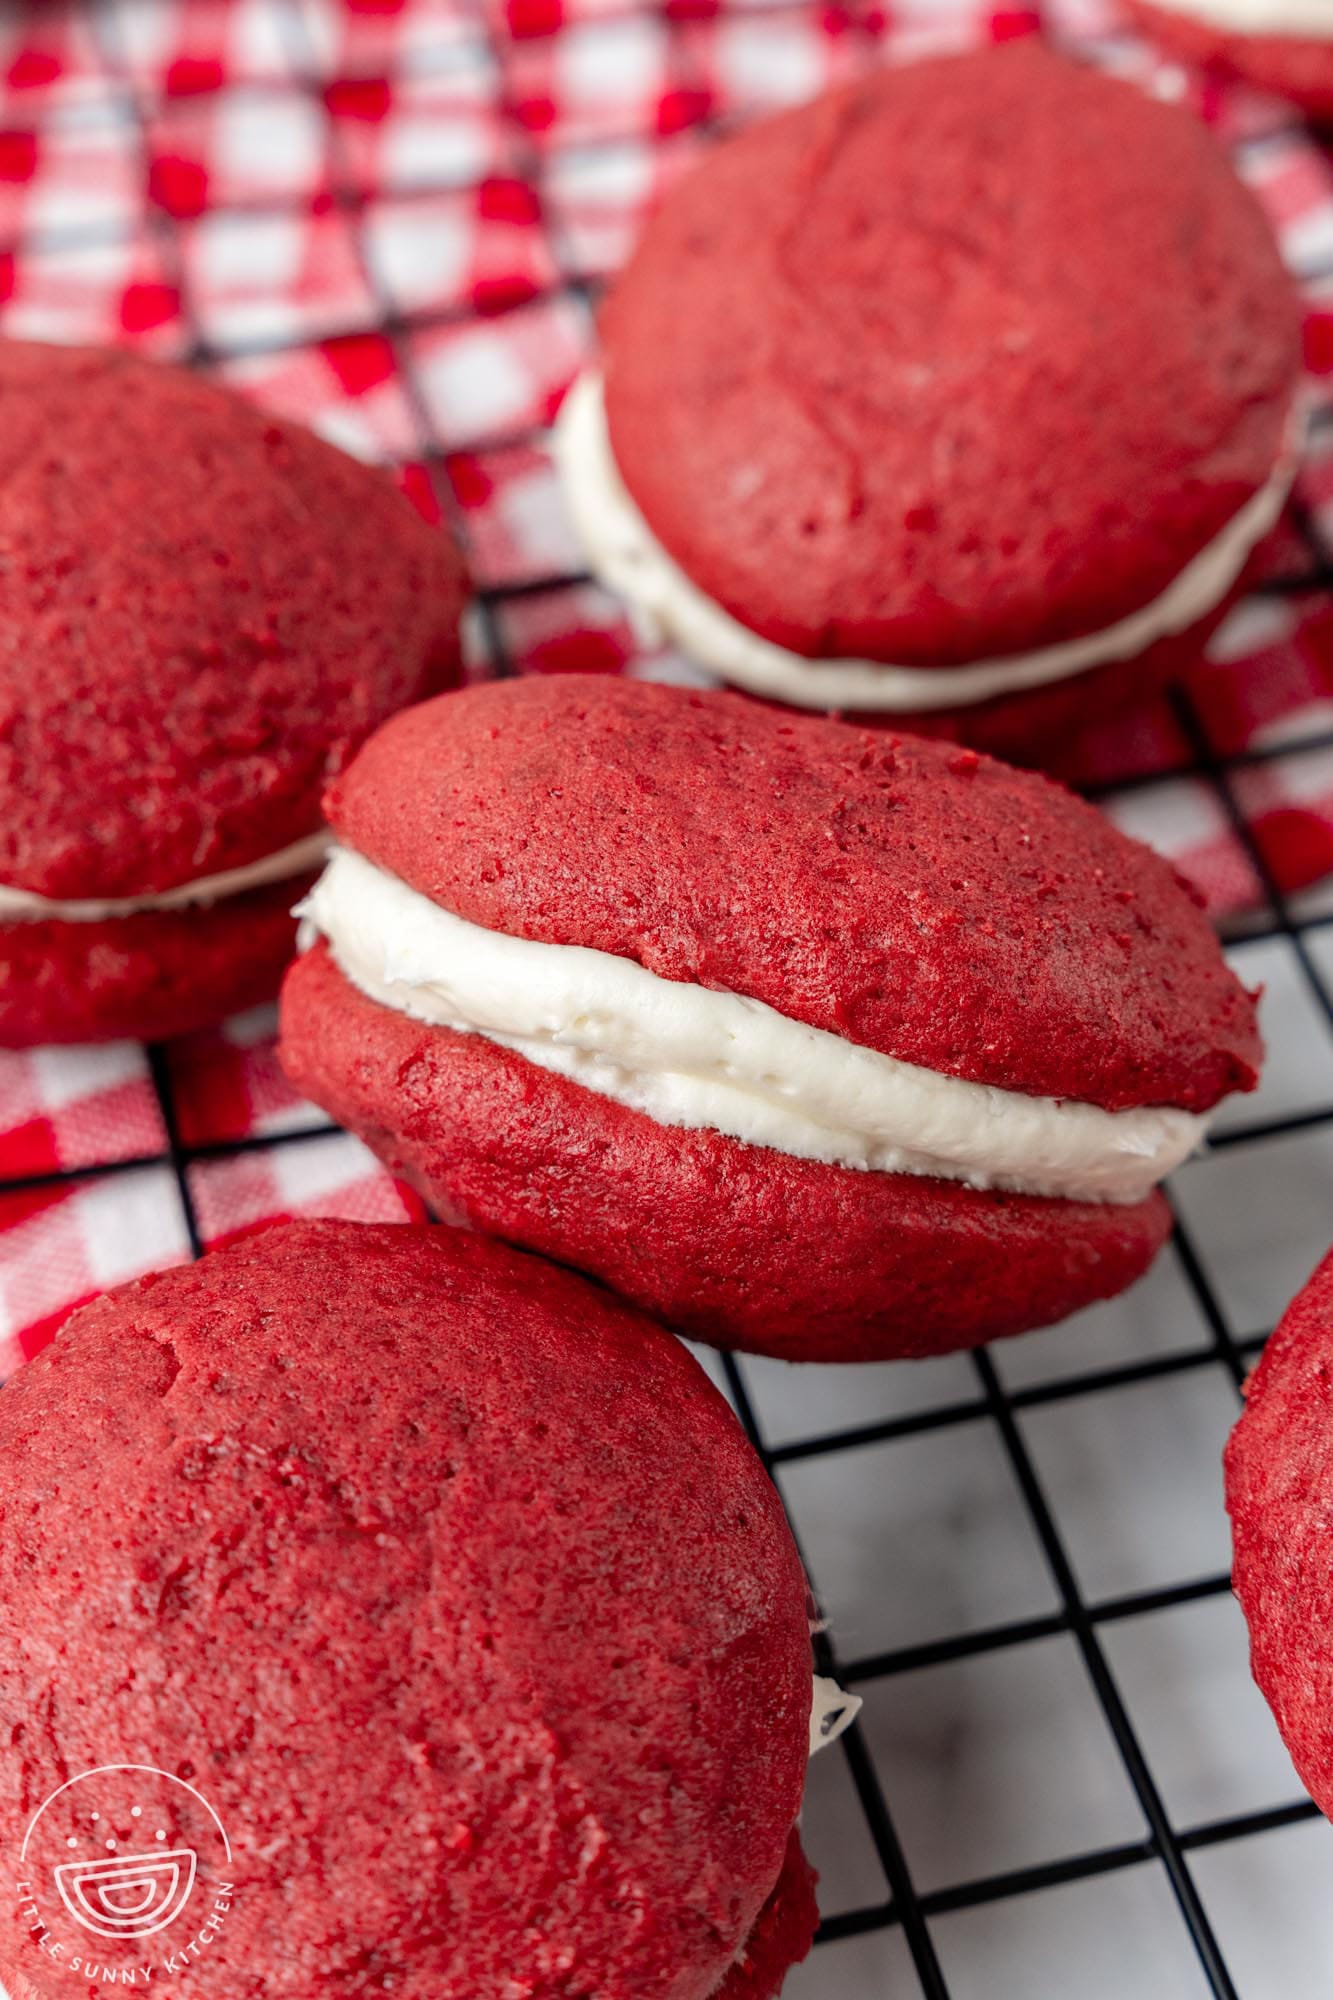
(1166, 1844)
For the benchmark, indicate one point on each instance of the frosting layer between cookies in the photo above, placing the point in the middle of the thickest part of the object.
(691, 1056)
(667, 606)
(23, 906)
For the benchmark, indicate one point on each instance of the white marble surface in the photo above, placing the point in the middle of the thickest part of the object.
(998, 1762)
(917, 1539)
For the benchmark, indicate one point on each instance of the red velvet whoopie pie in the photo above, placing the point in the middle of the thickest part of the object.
(812, 1040)
(205, 612)
(457, 1597)
(1279, 1486)
(957, 399)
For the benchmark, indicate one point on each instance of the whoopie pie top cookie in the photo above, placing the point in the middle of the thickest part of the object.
(1279, 1482)
(205, 611)
(879, 961)
(1283, 46)
(964, 379)
(456, 1594)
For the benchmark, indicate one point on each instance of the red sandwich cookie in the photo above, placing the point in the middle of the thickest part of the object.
(813, 1040)
(1279, 1481)
(958, 398)
(443, 1590)
(205, 613)
(1281, 46)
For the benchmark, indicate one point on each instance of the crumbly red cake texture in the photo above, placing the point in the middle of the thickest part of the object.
(206, 610)
(456, 1590)
(739, 1245)
(916, 899)
(962, 360)
(1279, 1486)
(1299, 67)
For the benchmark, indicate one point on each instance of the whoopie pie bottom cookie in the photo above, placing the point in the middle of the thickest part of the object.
(809, 1040)
(442, 1588)
(1051, 728)
(147, 976)
(1279, 1487)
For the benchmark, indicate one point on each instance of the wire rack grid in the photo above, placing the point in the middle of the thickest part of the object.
(394, 219)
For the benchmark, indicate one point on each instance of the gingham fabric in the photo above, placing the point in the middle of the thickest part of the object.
(390, 219)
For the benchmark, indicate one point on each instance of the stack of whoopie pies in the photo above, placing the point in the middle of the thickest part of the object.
(936, 417)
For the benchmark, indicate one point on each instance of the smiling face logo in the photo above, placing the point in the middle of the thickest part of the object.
(129, 1853)
(130, 1896)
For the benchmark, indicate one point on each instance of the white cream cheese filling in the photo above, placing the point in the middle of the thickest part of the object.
(831, 1712)
(23, 906)
(1312, 18)
(689, 1056)
(668, 607)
